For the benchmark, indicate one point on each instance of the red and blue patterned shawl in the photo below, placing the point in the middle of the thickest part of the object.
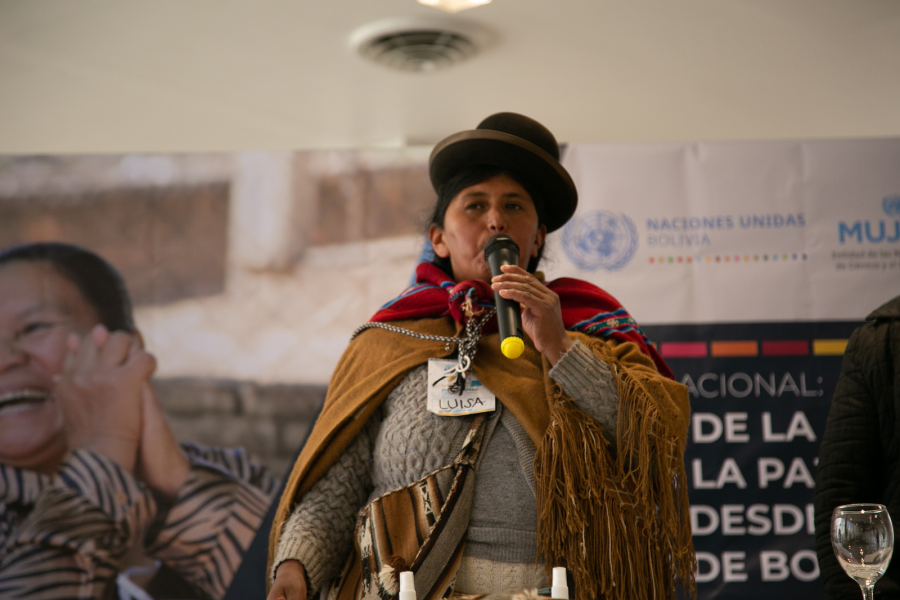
(585, 307)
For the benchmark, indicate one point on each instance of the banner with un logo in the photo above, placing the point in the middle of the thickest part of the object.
(749, 265)
(601, 239)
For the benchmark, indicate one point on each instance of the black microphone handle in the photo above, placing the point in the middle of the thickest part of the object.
(509, 318)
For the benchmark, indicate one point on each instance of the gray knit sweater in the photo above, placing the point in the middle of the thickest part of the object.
(403, 442)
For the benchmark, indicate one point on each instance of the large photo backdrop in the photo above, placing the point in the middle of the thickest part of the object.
(748, 264)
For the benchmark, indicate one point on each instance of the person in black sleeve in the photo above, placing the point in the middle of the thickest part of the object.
(859, 459)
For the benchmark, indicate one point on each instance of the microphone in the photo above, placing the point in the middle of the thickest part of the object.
(501, 250)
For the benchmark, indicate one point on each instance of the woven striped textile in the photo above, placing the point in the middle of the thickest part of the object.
(585, 307)
(419, 528)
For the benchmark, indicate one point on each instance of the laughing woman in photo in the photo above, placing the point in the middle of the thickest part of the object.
(89, 469)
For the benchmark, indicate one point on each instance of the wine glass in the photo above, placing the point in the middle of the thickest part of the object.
(863, 540)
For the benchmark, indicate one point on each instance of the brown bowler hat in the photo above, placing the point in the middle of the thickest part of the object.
(514, 143)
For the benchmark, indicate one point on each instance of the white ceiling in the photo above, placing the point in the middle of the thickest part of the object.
(171, 75)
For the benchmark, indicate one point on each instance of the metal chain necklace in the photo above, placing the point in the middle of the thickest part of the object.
(467, 345)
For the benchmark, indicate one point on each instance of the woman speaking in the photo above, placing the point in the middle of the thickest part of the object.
(436, 453)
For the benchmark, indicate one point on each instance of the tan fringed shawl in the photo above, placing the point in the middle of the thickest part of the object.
(618, 520)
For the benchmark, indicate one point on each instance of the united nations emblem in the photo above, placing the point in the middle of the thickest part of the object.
(600, 239)
(891, 205)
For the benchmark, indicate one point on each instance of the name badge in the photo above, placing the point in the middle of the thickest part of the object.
(441, 401)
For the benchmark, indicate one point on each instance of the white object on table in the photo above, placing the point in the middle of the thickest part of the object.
(407, 586)
(560, 587)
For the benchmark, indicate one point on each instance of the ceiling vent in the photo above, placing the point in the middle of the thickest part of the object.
(418, 44)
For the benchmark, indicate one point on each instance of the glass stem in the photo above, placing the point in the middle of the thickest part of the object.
(868, 591)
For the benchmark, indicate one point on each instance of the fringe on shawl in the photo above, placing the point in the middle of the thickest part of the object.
(621, 526)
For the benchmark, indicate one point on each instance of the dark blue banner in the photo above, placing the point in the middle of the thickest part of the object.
(760, 394)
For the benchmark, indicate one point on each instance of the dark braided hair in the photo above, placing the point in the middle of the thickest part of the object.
(473, 175)
(97, 280)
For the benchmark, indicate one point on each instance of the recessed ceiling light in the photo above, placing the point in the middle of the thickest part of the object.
(453, 6)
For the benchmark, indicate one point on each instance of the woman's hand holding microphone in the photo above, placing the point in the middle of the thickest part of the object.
(541, 312)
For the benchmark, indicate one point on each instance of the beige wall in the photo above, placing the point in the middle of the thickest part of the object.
(164, 75)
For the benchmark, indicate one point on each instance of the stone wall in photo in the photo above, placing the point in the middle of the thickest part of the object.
(270, 421)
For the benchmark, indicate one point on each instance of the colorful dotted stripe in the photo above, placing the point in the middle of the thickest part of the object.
(726, 258)
(829, 347)
(734, 348)
(746, 348)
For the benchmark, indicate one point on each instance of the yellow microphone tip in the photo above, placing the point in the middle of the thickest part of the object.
(512, 347)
